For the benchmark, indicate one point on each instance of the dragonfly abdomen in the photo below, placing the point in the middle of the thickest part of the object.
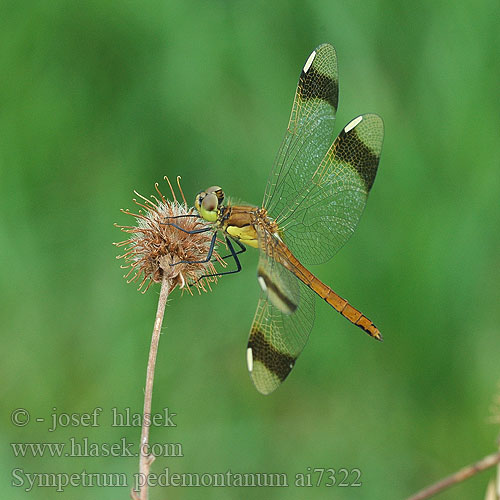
(351, 313)
(329, 296)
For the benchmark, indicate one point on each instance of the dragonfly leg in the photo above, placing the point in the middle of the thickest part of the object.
(194, 231)
(234, 255)
(180, 216)
(209, 255)
(242, 249)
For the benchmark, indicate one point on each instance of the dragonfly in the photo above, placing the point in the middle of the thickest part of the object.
(314, 198)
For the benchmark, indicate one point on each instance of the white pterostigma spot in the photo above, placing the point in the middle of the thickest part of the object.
(262, 283)
(309, 61)
(352, 124)
(249, 359)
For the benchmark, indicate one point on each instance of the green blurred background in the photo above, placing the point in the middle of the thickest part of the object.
(100, 98)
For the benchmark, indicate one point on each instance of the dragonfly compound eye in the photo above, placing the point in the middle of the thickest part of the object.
(210, 202)
(217, 191)
(208, 206)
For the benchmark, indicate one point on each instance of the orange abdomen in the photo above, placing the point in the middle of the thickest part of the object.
(328, 295)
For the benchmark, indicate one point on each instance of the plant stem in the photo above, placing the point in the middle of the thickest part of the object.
(145, 459)
(458, 477)
(498, 473)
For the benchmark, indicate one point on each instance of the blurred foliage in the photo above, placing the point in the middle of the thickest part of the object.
(100, 98)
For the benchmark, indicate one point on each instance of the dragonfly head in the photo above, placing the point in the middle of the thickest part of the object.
(208, 203)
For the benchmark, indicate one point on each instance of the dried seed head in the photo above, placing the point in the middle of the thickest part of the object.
(154, 246)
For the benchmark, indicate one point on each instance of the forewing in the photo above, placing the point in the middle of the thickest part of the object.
(282, 322)
(323, 214)
(310, 129)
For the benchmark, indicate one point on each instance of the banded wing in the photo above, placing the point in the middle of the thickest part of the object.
(320, 216)
(282, 322)
(319, 221)
(317, 190)
(316, 193)
(310, 129)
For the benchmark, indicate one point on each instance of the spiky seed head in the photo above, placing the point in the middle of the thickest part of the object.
(153, 245)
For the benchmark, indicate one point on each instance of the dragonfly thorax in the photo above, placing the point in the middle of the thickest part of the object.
(209, 202)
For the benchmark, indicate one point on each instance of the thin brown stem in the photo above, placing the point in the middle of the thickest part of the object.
(498, 472)
(459, 476)
(145, 458)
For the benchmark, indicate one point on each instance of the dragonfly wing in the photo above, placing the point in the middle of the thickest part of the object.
(310, 129)
(321, 217)
(282, 322)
